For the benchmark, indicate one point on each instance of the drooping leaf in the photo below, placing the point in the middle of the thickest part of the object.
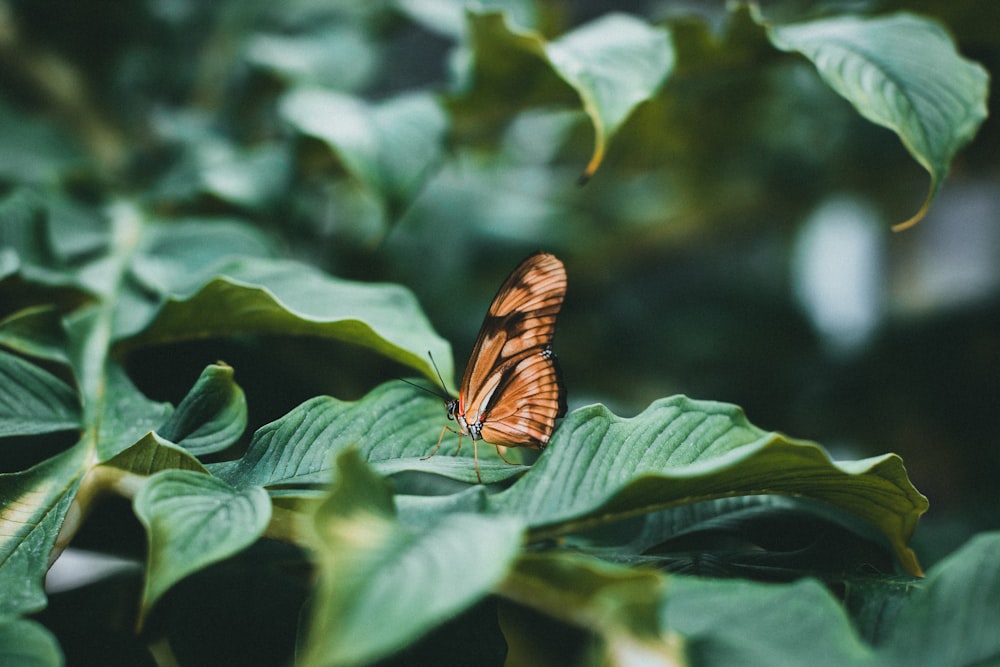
(193, 520)
(600, 468)
(901, 72)
(32, 401)
(25, 643)
(285, 298)
(614, 63)
(211, 417)
(375, 571)
(152, 454)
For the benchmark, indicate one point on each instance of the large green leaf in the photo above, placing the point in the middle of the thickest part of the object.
(901, 72)
(375, 572)
(285, 298)
(393, 427)
(193, 520)
(33, 401)
(600, 468)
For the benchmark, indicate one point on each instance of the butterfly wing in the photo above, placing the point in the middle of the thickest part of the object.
(511, 386)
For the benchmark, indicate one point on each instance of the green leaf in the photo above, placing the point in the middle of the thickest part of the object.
(952, 616)
(600, 468)
(36, 332)
(26, 643)
(152, 454)
(393, 427)
(901, 72)
(285, 298)
(726, 622)
(211, 417)
(390, 148)
(620, 605)
(375, 572)
(193, 520)
(614, 63)
(126, 415)
(35, 503)
(33, 401)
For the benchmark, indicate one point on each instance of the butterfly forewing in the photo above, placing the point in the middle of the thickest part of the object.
(522, 317)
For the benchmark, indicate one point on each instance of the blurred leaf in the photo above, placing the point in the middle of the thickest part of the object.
(26, 643)
(37, 332)
(951, 617)
(33, 151)
(390, 148)
(726, 622)
(285, 298)
(392, 427)
(211, 417)
(615, 63)
(901, 72)
(253, 178)
(600, 468)
(618, 604)
(32, 401)
(374, 571)
(194, 520)
(339, 56)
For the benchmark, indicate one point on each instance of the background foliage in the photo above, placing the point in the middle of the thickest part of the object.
(226, 227)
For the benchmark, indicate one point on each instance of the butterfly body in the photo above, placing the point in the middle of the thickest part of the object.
(511, 393)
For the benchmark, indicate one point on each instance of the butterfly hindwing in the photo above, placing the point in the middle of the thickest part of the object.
(529, 398)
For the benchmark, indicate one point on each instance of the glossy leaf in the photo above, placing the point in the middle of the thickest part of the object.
(600, 468)
(211, 416)
(193, 520)
(35, 503)
(393, 427)
(373, 567)
(901, 72)
(33, 401)
(285, 298)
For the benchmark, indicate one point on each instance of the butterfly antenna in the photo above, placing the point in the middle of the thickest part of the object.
(434, 364)
(421, 388)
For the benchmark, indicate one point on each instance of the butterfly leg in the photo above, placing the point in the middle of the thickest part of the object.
(475, 457)
(440, 439)
(500, 454)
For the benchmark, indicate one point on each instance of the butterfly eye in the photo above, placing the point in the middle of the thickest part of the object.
(452, 408)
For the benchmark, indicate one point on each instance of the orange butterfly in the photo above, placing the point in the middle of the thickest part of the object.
(512, 393)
